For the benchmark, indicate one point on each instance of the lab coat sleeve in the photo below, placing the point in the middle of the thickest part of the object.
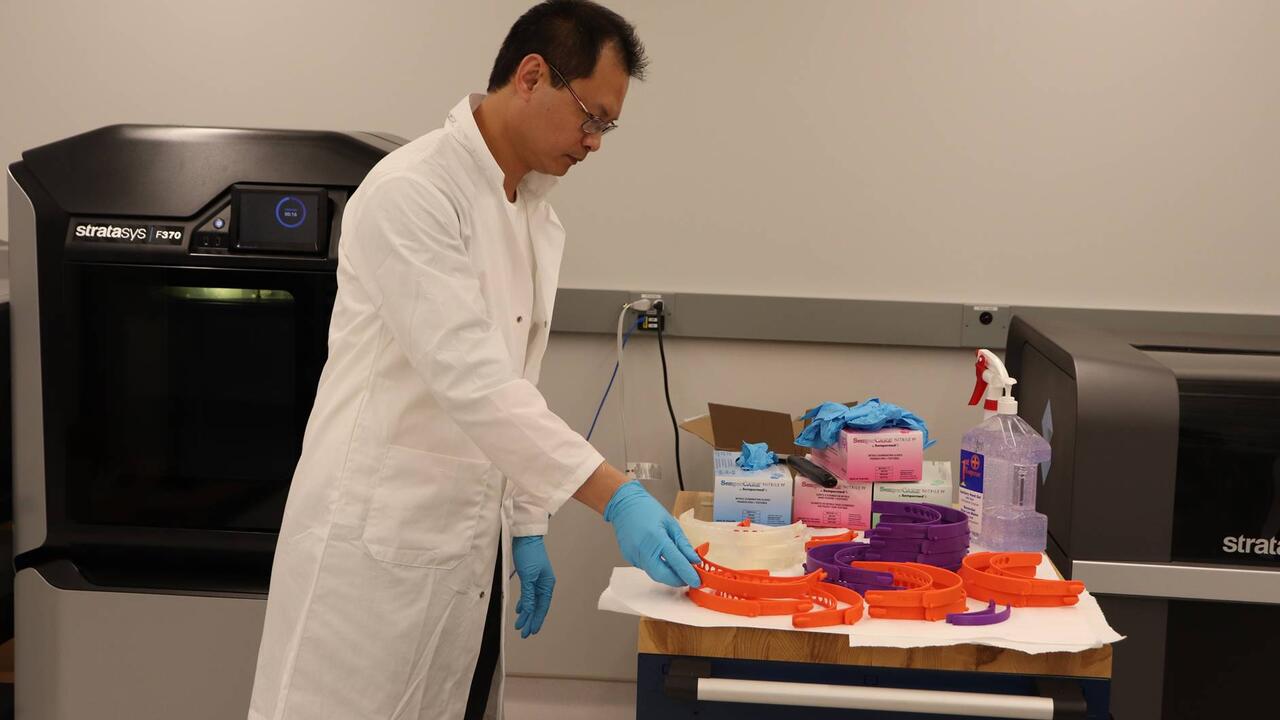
(406, 249)
(529, 518)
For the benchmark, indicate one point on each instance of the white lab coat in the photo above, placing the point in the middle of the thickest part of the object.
(428, 443)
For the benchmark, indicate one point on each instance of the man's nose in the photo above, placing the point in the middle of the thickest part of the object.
(592, 142)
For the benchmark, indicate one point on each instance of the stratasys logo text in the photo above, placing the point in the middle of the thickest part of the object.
(1251, 546)
(128, 233)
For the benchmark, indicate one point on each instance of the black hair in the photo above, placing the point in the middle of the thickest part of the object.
(569, 34)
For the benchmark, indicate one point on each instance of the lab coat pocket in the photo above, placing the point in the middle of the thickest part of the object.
(424, 508)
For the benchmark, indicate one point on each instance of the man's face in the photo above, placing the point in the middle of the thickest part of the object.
(554, 138)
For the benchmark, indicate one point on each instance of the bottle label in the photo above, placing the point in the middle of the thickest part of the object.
(971, 467)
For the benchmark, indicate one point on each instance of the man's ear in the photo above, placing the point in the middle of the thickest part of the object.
(529, 74)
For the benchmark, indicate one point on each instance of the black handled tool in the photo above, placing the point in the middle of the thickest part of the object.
(812, 471)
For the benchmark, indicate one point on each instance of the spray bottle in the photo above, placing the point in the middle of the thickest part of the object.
(994, 381)
(999, 465)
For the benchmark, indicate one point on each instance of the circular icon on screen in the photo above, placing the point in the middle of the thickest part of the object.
(290, 212)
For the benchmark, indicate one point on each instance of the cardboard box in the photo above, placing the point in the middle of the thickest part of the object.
(847, 505)
(737, 494)
(726, 427)
(763, 496)
(934, 487)
(879, 456)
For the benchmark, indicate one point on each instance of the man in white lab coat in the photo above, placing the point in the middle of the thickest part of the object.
(429, 447)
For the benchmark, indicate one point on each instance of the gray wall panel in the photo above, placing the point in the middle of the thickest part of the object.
(875, 322)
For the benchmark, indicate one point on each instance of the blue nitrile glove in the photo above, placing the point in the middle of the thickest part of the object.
(537, 581)
(756, 456)
(874, 415)
(650, 538)
(828, 419)
(826, 422)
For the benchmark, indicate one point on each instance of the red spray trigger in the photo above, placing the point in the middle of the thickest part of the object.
(980, 387)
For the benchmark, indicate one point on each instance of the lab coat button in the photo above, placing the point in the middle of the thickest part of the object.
(519, 318)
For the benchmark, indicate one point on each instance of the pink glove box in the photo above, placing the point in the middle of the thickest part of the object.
(888, 455)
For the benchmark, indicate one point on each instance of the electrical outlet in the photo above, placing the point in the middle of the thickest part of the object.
(654, 320)
(644, 471)
(985, 326)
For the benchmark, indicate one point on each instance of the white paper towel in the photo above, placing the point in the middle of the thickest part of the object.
(1030, 630)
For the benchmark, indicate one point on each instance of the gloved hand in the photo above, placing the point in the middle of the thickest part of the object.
(650, 538)
(537, 581)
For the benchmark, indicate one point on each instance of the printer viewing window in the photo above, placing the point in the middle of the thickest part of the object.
(192, 391)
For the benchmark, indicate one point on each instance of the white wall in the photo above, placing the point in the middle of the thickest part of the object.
(1101, 153)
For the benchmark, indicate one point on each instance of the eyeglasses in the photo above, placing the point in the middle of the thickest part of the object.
(593, 125)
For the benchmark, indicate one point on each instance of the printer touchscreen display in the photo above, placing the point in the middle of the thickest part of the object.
(288, 220)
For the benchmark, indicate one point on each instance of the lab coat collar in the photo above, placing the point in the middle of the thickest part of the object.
(463, 125)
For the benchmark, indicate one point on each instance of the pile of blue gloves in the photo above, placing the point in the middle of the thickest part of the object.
(829, 418)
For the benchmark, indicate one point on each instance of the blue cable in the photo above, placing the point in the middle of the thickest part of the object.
(625, 336)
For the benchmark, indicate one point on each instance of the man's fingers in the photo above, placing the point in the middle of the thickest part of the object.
(539, 615)
(542, 605)
(659, 572)
(676, 533)
(678, 572)
(685, 547)
(525, 607)
(683, 570)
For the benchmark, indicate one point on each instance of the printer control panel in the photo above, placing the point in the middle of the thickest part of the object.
(215, 233)
(249, 220)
